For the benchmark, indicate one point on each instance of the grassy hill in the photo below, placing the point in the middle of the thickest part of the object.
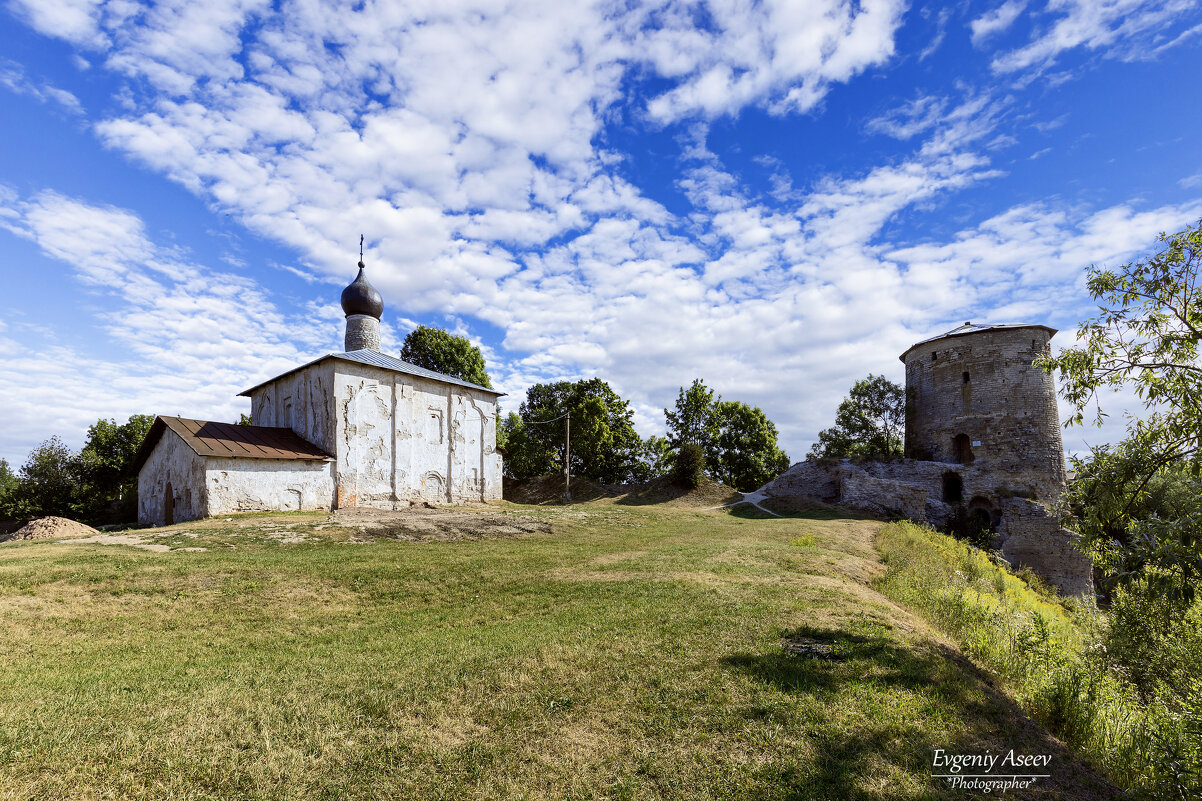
(594, 651)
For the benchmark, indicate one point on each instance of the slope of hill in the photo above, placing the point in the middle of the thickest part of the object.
(604, 650)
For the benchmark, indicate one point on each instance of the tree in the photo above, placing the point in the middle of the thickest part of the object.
(736, 442)
(655, 459)
(47, 483)
(743, 452)
(8, 482)
(106, 492)
(1145, 337)
(692, 422)
(604, 445)
(523, 457)
(869, 422)
(435, 349)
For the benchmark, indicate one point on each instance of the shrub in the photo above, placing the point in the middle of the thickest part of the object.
(688, 467)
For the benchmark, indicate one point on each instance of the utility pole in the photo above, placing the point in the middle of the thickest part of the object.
(567, 453)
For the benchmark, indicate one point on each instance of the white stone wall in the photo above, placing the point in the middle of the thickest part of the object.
(403, 438)
(172, 470)
(268, 485)
(302, 401)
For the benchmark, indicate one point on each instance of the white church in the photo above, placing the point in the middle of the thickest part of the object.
(358, 428)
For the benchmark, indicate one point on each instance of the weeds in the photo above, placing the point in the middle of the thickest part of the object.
(1053, 655)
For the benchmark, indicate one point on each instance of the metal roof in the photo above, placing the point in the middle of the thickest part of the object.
(226, 440)
(974, 328)
(374, 358)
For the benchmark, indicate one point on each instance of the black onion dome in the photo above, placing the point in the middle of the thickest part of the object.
(361, 297)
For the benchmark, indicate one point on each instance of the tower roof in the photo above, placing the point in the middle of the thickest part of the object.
(976, 328)
(361, 297)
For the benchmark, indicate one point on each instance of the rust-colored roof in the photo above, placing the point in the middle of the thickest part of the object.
(229, 441)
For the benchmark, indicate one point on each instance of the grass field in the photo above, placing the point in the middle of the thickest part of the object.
(623, 652)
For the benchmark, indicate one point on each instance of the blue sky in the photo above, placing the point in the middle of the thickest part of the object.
(776, 197)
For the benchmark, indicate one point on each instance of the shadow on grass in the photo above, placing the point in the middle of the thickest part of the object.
(816, 511)
(910, 689)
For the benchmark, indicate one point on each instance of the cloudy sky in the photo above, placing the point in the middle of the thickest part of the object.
(776, 197)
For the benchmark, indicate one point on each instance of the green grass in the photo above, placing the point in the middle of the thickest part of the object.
(1043, 648)
(632, 653)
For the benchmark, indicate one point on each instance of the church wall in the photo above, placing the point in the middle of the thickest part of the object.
(268, 485)
(402, 438)
(172, 464)
(302, 401)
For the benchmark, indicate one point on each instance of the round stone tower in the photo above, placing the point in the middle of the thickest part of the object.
(973, 396)
(363, 306)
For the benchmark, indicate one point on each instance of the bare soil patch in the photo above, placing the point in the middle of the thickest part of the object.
(435, 524)
(46, 528)
(549, 490)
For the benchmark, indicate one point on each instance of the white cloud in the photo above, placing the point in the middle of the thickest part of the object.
(13, 78)
(1123, 29)
(468, 140)
(781, 52)
(997, 20)
(192, 337)
(909, 119)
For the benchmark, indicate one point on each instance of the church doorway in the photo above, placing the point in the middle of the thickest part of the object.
(169, 507)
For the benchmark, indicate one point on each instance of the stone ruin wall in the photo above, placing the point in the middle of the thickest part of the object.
(1006, 410)
(982, 430)
(1028, 533)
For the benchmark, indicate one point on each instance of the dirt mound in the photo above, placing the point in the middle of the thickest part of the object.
(549, 489)
(661, 490)
(46, 528)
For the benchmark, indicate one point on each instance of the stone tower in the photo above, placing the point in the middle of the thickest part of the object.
(363, 306)
(974, 397)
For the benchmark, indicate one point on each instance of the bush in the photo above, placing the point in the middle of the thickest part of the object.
(688, 466)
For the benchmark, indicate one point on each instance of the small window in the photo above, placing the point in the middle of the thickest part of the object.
(934, 355)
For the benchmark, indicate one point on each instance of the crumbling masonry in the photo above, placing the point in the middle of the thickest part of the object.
(982, 435)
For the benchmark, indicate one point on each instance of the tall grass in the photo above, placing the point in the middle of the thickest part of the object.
(1052, 656)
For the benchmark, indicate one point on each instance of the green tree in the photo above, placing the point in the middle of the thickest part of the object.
(48, 482)
(604, 445)
(743, 451)
(1145, 337)
(523, 457)
(869, 422)
(435, 349)
(655, 459)
(8, 482)
(106, 491)
(692, 422)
